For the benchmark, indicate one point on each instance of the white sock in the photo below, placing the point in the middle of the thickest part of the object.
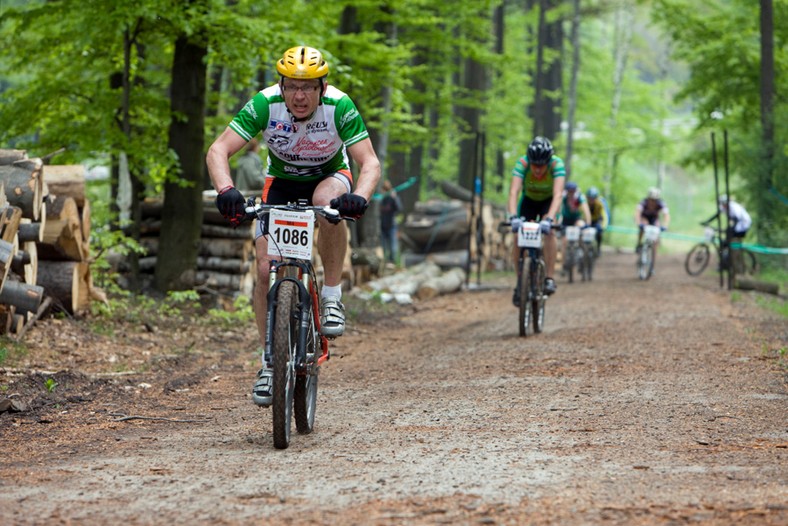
(331, 292)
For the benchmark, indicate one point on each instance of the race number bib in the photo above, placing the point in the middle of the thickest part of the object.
(651, 232)
(572, 233)
(291, 233)
(529, 235)
(589, 234)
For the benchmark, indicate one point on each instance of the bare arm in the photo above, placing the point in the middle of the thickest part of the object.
(558, 195)
(218, 158)
(514, 193)
(586, 212)
(368, 168)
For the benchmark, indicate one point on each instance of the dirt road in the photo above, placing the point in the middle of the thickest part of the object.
(659, 402)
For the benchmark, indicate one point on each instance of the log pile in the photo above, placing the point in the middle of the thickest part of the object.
(226, 260)
(44, 240)
(445, 231)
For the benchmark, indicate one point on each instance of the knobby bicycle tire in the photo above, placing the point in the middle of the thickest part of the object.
(697, 259)
(538, 298)
(284, 347)
(305, 394)
(587, 263)
(569, 264)
(646, 261)
(526, 310)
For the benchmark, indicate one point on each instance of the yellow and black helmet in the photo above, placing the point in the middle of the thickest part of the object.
(302, 62)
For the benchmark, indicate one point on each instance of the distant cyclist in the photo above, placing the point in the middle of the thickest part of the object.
(599, 219)
(739, 221)
(651, 211)
(535, 194)
(574, 209)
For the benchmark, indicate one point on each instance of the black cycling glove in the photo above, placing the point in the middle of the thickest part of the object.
(350, 205)
(231, 204)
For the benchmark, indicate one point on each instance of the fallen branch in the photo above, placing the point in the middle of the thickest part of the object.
(122, 417)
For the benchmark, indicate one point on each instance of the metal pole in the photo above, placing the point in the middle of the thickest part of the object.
(716, 201)
(727, 216)
(480, 221)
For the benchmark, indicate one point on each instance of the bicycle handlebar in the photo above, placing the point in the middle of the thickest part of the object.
(257, 210)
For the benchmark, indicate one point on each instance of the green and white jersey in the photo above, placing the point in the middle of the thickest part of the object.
(538, 189)
(303, 150)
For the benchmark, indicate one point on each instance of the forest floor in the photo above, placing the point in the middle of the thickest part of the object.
(643, 402)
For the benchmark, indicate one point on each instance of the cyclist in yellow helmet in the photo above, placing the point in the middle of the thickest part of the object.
(309, 127)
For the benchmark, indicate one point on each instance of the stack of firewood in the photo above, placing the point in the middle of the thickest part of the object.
(225, 262)
(44, 240)
(226, 259)
(448, 232)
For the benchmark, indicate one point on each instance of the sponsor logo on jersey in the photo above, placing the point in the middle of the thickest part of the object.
(282, 126)
(349, 116)
(316, 126)
(309, 148)
(279, 143)
(249, 107)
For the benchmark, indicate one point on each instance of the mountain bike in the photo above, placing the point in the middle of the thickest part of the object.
(588, 254)
(647, 251)
(573, 255)
(530, 278)
(740, 261)
(294, 347)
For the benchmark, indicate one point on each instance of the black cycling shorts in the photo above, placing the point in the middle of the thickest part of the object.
(534, 210)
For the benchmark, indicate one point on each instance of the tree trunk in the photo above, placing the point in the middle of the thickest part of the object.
(572, 102)
(182, 213)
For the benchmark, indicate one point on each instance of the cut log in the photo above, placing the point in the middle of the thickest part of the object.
(62, 238)
(25, 263)
(219, 280)
(7, 313)
(746, 283)
(10, 219)
(67, 180)
(23, 185)
(11, 156)
(450, 281)
(7, 252)
(407, 281)
(26, 298)
(29, 231)
(68, 282)
(219, 247)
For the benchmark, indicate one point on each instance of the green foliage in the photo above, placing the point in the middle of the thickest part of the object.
(50, 384)
(241, 313)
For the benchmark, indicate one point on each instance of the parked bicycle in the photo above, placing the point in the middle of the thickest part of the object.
(294, 346)
(739, 261)
(588, 253)
(648, 251)
(530, 277)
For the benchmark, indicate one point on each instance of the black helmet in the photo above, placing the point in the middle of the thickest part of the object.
(540, 151)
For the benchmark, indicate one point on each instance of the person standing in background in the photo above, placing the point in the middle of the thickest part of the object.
(390, 206)
(249, 177)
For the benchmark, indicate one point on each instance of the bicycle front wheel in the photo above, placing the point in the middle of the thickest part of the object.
(539, 298)
(646, 261)
(697, 259)
(526, 310)
(285, 342)
(305, 395)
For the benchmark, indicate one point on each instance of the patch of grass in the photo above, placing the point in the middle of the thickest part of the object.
(241, 313)
(777, 305)
(11, 351)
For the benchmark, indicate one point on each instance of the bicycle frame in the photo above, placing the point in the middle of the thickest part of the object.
(304, 277)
